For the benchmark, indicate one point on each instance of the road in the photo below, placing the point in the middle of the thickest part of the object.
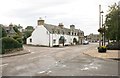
(56, 61)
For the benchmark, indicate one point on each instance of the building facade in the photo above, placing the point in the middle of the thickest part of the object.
(52, 35)
(92, 37)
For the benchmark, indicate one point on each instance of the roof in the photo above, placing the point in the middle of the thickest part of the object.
(59, 30)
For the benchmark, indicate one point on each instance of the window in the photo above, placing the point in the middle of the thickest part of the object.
(72, 33)
(75, 33)
(30, 40)
(7, 31)
(68, 33)
(58, 32)
(53, 31)
(54, 41)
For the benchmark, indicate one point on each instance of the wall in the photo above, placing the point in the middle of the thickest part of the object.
(40, 36)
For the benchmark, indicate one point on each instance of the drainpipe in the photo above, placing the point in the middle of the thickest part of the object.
(49, 39)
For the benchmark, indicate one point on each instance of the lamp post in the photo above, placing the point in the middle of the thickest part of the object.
(100, 12)
(102, 33)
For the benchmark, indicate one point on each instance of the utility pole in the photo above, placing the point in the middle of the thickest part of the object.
(100, 12)
(102, 33)
(99, 24)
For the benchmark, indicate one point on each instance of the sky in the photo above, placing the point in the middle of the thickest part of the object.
(84, 14)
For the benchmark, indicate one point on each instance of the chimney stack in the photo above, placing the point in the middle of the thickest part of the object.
(61, 25)
(40, 21)
(72, 27)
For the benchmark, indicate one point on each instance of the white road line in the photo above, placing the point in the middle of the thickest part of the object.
(42, 72)
(29, 50)
(32, 52)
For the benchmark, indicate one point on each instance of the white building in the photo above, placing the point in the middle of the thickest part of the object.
(51, 35)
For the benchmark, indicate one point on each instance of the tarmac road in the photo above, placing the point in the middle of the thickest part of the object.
(66, 61)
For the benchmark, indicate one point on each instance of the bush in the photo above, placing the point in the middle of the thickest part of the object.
(102, 49)
(9, 43)
(16, 36)
(113, 46)
(19, 40)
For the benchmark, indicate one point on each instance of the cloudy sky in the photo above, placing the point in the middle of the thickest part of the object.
(84, 14)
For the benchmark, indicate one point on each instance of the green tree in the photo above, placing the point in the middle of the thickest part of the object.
(17, 31)
(26, 34)
(112, 23)
(29, 28)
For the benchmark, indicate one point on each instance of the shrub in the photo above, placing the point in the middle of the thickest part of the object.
(113, 46)
(102, 49)
(9, 43)
(19, 40)
(16, 36)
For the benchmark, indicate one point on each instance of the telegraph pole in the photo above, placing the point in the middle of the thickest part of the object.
(100, 12)
(99, 25)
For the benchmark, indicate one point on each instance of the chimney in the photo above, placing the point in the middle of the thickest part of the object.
(72, 27)
(61, 25)
(40, 22)
(11, 25)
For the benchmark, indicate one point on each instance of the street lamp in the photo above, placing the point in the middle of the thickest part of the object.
(100, 12)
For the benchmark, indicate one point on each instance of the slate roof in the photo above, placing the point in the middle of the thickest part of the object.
(9, 29)
(59, 30)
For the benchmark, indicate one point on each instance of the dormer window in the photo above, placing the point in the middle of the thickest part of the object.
(72, 33)
(75, 33)
(58, 32)
(53, 31)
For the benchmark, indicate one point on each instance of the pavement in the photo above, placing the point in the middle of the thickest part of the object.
(22, 52)
(110, 54)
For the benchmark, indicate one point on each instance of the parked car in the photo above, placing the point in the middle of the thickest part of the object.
(85, 42)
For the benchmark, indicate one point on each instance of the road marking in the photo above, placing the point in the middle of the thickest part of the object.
(64, 66)
(42, 72)
(49, 72)
(3, 65)
(86, 68)
(29, 50)
(32, 52)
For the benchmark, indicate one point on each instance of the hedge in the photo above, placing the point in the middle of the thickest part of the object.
(16, 36)
(19, 40)
(9, 43)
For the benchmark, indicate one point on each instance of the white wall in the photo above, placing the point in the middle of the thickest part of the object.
(69, 39)
(39, 36)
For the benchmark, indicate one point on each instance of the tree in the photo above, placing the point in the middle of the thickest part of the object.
(26, 34)
(29, 28)
(112, 23)
(17, 31)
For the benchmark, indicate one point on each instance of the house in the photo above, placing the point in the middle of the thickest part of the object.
(9, 30)
(52, 35)
(20, 28)
(93, 37)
